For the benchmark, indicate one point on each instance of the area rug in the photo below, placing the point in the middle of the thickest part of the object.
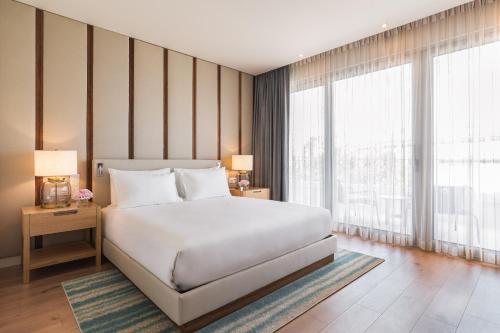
(109, 302)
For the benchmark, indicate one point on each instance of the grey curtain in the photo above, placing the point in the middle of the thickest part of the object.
(270, 132)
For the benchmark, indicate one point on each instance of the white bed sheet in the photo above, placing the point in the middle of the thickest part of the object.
(190, 243)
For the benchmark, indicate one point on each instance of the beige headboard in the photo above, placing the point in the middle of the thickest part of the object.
(100, 176)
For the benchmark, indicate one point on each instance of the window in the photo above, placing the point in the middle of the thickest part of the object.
(410, 131)
(467, 146)
(373, 149)
(307, 147)
(368, 154)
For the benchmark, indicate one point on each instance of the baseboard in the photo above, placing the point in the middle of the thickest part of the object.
(10, 261)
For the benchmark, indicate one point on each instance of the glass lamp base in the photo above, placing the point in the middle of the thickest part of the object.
(56, 193)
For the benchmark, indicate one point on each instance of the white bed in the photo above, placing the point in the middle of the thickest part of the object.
(190, 243)
(193, 258)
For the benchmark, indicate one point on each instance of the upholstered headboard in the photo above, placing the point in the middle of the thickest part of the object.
(100, 174)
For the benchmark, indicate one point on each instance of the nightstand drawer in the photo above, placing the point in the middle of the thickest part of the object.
(260, 193)
(61, 221)
(253, 192)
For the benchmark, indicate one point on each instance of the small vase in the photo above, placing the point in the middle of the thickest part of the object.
(83, 203)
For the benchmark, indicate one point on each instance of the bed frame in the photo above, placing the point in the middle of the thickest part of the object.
(202, 305)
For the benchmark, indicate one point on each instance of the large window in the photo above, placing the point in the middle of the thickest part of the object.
(307, 147)
(467, 146)
(352, 147)
(398, 134)
(359, 131)
(372, 149)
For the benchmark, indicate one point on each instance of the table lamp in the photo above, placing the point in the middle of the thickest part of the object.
(56, 165)
(242, 164)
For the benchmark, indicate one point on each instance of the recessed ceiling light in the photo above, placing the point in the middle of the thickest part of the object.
(301, 55)
(384, 25)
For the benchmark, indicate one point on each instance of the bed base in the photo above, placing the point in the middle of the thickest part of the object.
(223, 311)
(200, 306)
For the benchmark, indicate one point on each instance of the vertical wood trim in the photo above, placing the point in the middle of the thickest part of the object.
(165, 104)
(194, 108)
(130, 98)
(218, 113)
(90, 103)
(251, 141)
(39, 79)
(240, 116)
(39, 26)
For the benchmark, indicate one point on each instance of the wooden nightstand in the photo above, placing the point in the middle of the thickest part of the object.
(38, 221)
(252, 192)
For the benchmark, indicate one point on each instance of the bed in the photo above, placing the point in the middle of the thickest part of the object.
(199, 260)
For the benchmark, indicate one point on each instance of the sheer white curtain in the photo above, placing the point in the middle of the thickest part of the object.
(399, 134)
(466, 152)
(372, 153)
(307, 147)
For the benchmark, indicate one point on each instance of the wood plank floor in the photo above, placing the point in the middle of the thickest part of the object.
(412, 291)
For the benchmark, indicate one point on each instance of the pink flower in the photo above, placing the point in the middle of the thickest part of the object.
(244, 182)
(84, 194)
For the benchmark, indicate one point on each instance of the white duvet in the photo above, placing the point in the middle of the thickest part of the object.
(190, 243)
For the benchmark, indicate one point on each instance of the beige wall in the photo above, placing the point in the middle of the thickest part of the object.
(180, 109)
(246, 113)
(148, 101)
(65, 87)
(206, 111)
(229, 114)
(110, 94)
(64, 107)
(17, 120)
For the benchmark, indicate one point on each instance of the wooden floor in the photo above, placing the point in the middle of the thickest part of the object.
(411, 291)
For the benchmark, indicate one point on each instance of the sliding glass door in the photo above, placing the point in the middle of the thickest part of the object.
(398, 134)
(307, 147)
(351, 150)
(467, 149)
(372, 151)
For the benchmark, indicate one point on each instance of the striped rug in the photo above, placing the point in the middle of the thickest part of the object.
(109, 302)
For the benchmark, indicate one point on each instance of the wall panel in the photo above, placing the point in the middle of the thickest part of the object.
(246, 113)
(148, 99)
(17, 120)
(65, 87)
(229, 114)
(110, 94)
(180, 102)
(206, 91)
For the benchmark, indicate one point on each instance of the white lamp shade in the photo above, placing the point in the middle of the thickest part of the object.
(242, 162)
(50, 163)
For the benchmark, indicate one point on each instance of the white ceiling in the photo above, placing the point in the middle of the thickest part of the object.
(252, 36)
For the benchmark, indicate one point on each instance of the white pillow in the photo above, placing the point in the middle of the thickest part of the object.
(142, 189)
(130, 172)
(179, 174)
(205, 184)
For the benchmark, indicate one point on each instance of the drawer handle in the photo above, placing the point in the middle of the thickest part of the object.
(256, 191)
(66, 212)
